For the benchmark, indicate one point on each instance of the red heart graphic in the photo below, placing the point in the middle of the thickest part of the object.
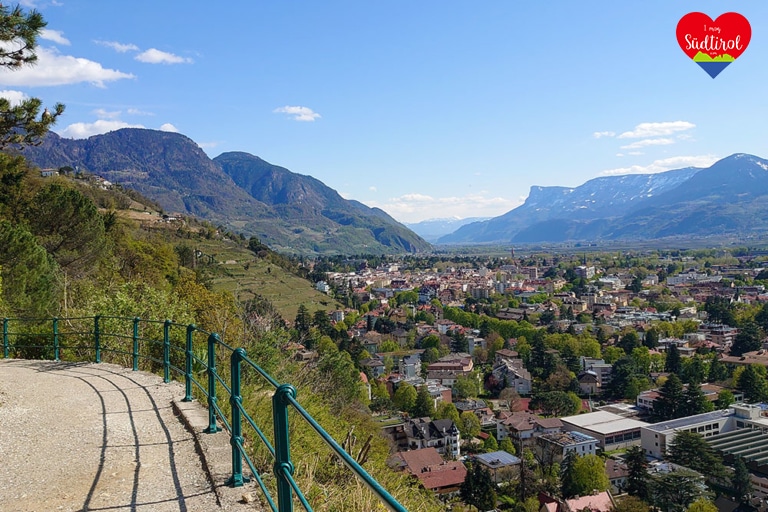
(729, 34)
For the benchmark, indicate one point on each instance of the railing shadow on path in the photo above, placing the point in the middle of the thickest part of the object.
(122, 400)
(131, 340)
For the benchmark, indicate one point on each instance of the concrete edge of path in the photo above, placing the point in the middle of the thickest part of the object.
(215, 453)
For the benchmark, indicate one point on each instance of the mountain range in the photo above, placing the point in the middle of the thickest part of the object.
(432, 229)
(299, 214)
(730, 197)
(288, 211)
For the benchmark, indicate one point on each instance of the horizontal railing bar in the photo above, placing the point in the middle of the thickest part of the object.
(367, 479)
(289, 478)
(264, 374)
(257, 476)
(200, 386)
(221, 381)
(257, 429)
(74, 341)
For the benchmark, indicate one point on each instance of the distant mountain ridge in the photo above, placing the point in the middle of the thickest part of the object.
(432, 229)
(730, 196)
(288, 211)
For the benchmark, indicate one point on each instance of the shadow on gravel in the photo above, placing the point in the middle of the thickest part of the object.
(76, 371)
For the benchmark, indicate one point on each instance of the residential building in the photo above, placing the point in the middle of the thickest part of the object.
(443, 435)
(502, 466)
(552, 448)
(448, 369)
(597, 502)
(435, 474)
(513, 374)
(521, 427)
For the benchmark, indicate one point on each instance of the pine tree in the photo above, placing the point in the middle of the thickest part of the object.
(670, 402)
(425, 405)
(21, 124)
(638, 479)
(752, 382)
(694, 401)
(741, 481)
(673, 363)
(478, 489)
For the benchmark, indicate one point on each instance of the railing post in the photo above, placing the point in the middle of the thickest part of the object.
(236, 401)
(283, 462)
(166, 352)
(188, 364)
(55, 339)
(5, 339)
(97, 337)
(136, 344)
(212, 340)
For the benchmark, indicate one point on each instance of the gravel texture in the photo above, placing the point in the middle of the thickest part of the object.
(80, 436)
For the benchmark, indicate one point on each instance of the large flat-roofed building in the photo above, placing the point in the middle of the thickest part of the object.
(612, 431)
(657, 438)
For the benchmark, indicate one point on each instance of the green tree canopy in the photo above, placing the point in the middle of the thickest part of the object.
(741, 481)
(478, 489)
(466, 386)
(29, 274)
(689, 449)
(425, 405)
(405, 397)
(469, 425)
(752, 382)
(638, 479)
(671, 400)
(69, 226)
(584, 475)
(448, 412)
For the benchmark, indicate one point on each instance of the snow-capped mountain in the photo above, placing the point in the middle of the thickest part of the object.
(635, 206)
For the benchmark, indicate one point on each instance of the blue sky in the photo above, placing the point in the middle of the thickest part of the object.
(426, 109)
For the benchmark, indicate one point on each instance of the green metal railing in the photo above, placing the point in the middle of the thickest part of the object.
(159, 345)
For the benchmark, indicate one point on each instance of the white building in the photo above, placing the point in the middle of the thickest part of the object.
(612, 431)
(656, 439)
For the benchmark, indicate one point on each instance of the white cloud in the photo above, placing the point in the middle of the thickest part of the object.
(372, 189)
(104, 114)
(666, 164)
(648, 142)
(298, 113)
(14, 97)
(644, 130)
(54, 35)
(208, 145)
(168, 127)
(118, 47)
(85, 130)
(415, 207)
(137, 112)
(52, 68)
(599, 135)
(155, 56)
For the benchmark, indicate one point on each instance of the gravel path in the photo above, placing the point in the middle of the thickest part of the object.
(77, 437)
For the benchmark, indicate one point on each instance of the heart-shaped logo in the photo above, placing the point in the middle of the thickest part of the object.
(713, 44)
